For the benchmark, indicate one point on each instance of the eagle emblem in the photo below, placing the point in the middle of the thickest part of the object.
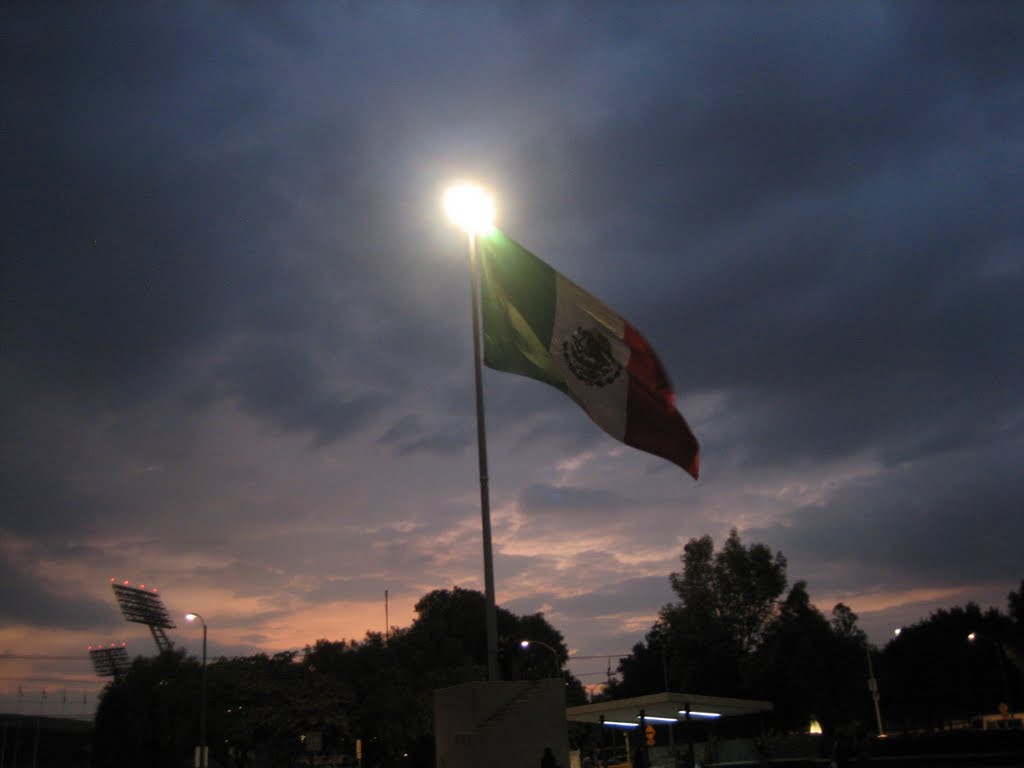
(588, 354)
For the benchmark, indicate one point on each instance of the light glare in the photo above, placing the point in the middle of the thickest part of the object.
(701, 714)
(470, 207)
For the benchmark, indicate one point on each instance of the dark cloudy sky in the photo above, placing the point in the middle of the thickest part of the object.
(236, 352)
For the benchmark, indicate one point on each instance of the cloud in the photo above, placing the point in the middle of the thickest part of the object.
(276, 379)
(35, 599)
(621, 597)
(542, 498)
(941, 522)
(410, 435)
(237, 352)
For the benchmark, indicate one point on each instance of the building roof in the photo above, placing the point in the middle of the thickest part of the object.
(665, 705)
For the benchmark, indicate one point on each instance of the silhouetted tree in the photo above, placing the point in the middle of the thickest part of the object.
(146, 718)
(703, 643)
(931, 674)
(445, 645)
(270, 702)
(375, 690)
(1015, 601)
(810, 667)
(844, 623)
(1014, 644)
(732, 633)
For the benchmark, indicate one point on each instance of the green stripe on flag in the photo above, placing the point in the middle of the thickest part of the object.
(518, 308)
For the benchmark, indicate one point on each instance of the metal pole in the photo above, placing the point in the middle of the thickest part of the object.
(998, 646)
(873, 687)
(689, 736)
(672, 727)
(642, 742)
(491, 617)
(203, 759)
(557, 666)
(1002, 674)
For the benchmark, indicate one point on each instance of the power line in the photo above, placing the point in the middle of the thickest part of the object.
(600, 656)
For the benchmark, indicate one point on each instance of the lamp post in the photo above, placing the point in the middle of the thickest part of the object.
(201, 758)
(524, 644)
(974, 637)
(592, 690)
(873, 687)
(472, 209)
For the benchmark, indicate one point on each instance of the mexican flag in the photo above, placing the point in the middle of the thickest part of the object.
(539, 324)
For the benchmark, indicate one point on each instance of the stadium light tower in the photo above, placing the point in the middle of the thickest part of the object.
(144, 606)
(109, 660)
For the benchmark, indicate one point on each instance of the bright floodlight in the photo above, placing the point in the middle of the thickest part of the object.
(524, 643)
(470, 207)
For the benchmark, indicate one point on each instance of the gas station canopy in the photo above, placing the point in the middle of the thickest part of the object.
(664, 707)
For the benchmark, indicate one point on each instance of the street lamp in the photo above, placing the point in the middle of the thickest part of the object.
(472, 209)
(873, 687)
(201, 758)
(592, 690)
(524, 644)
(974, 637)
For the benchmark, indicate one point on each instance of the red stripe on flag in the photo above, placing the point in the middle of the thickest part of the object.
(652, 422)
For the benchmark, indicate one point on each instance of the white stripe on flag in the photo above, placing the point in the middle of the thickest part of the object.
(588, 348)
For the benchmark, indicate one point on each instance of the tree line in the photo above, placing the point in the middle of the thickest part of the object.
(282, 708)
(736, 628)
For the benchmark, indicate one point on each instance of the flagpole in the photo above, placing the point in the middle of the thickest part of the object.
(491, 618)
